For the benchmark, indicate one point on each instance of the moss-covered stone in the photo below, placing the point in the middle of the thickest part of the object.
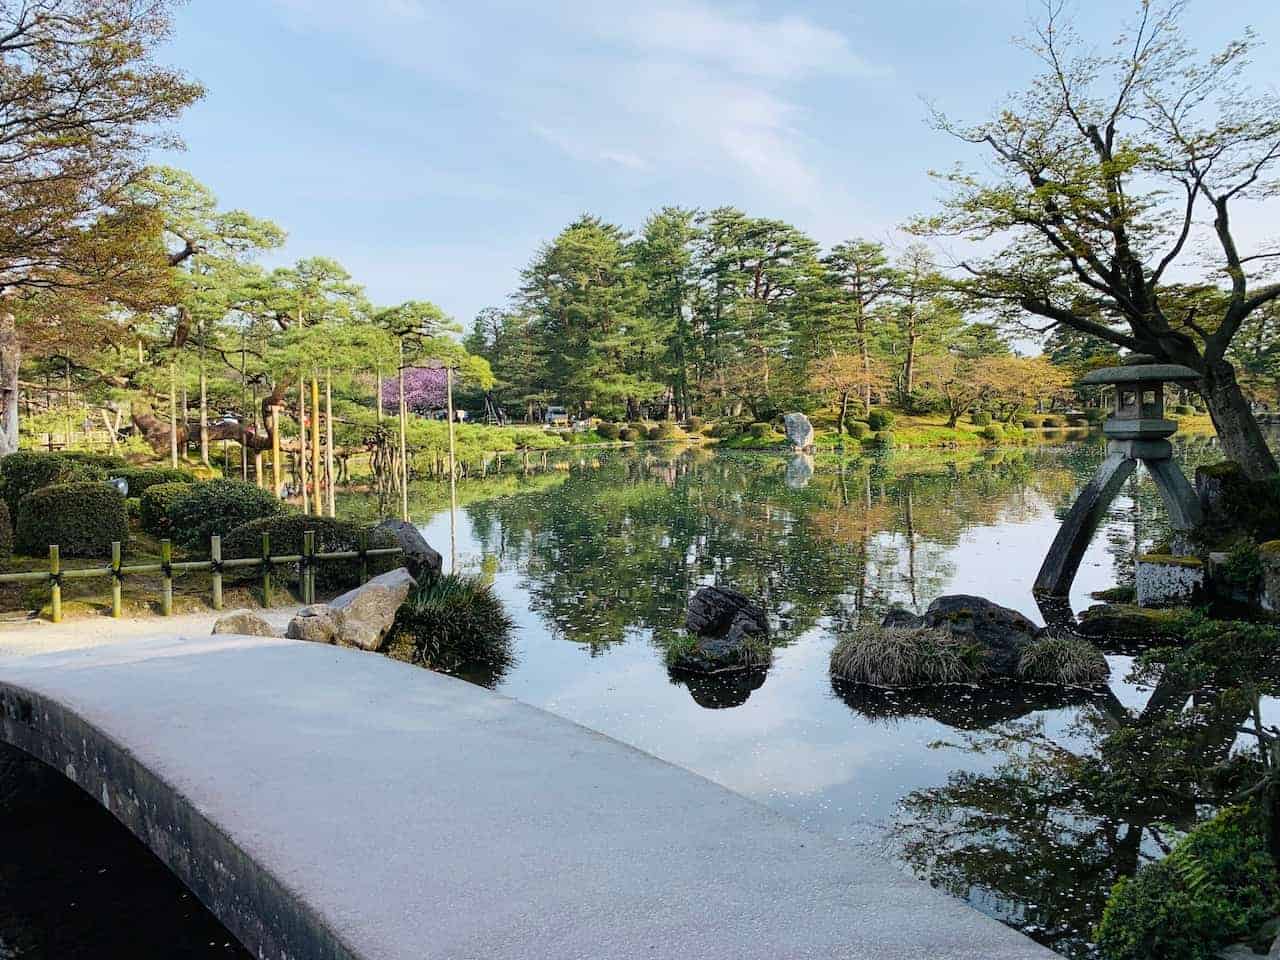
(1171, 560)
(1129, 621)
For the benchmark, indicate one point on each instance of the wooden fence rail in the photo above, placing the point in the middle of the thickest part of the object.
(308, 560)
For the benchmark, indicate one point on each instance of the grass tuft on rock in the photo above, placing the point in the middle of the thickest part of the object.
(453, 624)
(1065, 660)
(905, 657)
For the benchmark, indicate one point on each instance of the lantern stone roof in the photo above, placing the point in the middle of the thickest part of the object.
(1140, 368)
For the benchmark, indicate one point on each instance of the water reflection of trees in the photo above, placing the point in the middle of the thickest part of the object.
(1040, 839)
(615, 551)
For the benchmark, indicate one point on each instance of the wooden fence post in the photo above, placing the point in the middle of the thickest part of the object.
(115, 579)
(215, 558)
(55, 584)
(364, 559)
(266, 569)
(308, 566)
(166, 582)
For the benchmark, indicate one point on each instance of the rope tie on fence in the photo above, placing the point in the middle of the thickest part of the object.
(166, 568)
(215, 566)
(117, 575)
(55, 579)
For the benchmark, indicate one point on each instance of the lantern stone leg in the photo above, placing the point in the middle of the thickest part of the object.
(1064, 556)
(1179, 497)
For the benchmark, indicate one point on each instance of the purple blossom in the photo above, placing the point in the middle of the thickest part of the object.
(424, 390)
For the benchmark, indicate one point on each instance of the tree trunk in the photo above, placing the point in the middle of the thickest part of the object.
(844, 412)
(10, 360)
(866, 376)
(1237, 428)
(204, 412)
(328, 442)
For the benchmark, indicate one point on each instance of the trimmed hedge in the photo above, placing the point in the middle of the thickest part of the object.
(607, 431)
(104, 461)
(1054, 421)
(1185, 410)
(695, 424)
(81, 518)
(218, 506)
(154, 504)
(761, 430)
(141, 478)
(627, 434)
(858, 429)
(331, 536)
(993, 432)
(980, 418)
(1033, 422)
(879, 420)
(653, 433)
(27, 471)
(6, 534)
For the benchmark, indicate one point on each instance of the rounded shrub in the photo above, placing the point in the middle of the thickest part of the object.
(331, 536)
(104, 461)
(218, 506)
(627, 435)
(760, 430)
(81, 518)
(26, 471)
(1054, 421)
(653, 433)
(1096, 414)
(980, 418)
(1033, 421)
(1185, 410)
(880, 419)
(667, 431)
(607, 431)
(1078, 420)
(885, 438)
(639, 428)
(141, 478)
(452, 624)
(858, 429)
(993, 432)
(695, 424)
(6, 534)
(153, 506)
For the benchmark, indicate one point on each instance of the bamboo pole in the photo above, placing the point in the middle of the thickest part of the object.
(166, 581)
(328, 440)
(55, 584)
(173, 416)
(302, 442)
(317, 477)
(276, 478)
(215, 556)
(404, 456)
(364, 558)
(115, 579)
(308, 584)
(453, 476)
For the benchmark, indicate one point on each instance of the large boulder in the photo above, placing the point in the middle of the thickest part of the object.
(799, 430)
(1002, 633)
(424, 562)
(314, 623)
(245, 623)
(363, 617)
(725, 631)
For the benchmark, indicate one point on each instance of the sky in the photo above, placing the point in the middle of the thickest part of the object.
(431, 146)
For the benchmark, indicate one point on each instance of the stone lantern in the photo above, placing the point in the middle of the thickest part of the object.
(1137, 431)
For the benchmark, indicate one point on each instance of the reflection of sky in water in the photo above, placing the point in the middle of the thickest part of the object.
(793, 745)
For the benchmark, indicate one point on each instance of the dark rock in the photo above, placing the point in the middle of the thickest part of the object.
(961, 708)
(424, 562)
(1002, 632)
(713, 610)
(721, 690)
(729, 632)
(900, 618)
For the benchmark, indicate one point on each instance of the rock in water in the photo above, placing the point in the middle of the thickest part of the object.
(799, 472)
(1002, 633)
(314, 623)
(246, 623)
(363, 616)
(424, 562)
(730, 632)
(799, 430)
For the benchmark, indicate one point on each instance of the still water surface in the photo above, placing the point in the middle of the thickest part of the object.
(595, 563)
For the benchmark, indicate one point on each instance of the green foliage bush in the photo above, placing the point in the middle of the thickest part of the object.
(653, 433)
(451, 624)
(666, 431)
(81, 518)
(639, 428)
(104, 461)
(6, 534)
(993, 432)
(695, 424)
(1096, 414)
(1033, 421)
(607, 431)
(1241, 503)
(154, 504)
(858, 429)
(627, 435)
(1184, 410)
(1054, 421)
(332, 536)
(27, 471)
(760, 430)
(1217, 886)
(218, 506)
(140, 478)
(980, 418)
(879, 420)
(885, 438)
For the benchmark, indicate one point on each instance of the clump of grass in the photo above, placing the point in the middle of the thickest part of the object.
(905, 657)
(754, 653)
(453, 623)
(1066, 660)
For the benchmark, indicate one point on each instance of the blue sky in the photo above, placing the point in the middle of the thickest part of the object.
(431, 146)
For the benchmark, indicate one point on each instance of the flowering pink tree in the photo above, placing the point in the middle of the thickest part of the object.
(424, 390)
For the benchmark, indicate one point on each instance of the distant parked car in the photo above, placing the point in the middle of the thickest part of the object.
(556, 416)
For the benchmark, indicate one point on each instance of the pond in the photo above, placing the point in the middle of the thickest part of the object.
(985, 797)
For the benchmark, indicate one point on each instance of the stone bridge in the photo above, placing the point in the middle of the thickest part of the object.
(326, 803)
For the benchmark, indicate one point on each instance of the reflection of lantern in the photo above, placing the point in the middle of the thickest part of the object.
(1138, 411)
(1137, 431)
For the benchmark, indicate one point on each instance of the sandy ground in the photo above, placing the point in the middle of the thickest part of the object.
(29, 637)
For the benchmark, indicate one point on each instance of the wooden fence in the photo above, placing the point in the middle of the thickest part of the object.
(308, 560)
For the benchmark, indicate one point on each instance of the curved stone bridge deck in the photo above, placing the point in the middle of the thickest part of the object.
(326, 803)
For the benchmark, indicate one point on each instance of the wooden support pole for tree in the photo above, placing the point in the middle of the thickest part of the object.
(378, 405)
(364, 559)
(173, 416)
(308, 578)
(166, 578)
(215, 556)
(55, 584)
(266, 569)
(317, 477)
(204, 412)
(453, 476)
(404, 455)
(302, 443)
(276, 479)
(115, 579)
(328, 441)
